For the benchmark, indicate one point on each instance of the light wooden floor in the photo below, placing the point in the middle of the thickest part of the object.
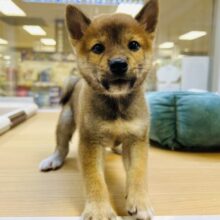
(180, 183)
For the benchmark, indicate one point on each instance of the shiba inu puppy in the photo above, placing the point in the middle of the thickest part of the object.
(107, 106)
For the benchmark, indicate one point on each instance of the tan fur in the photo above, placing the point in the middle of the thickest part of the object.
(106, 115)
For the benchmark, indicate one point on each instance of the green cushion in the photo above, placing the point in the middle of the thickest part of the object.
(185, 120)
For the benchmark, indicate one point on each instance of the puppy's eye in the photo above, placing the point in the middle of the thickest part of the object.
(98, 48)
(134, 46)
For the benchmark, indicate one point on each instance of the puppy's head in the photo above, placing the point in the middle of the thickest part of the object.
(114, 52)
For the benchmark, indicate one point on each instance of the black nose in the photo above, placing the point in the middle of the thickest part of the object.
(118, 66)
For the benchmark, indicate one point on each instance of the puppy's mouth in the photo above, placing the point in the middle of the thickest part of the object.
(118, 84)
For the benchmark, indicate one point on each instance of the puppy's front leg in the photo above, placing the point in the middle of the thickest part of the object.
(135, 159)
(98, 205)
(65, 128)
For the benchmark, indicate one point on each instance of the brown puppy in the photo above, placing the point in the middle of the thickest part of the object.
(107, 105)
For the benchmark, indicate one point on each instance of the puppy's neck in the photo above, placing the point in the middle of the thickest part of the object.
(113, 108)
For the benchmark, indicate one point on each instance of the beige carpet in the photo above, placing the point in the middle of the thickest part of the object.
(180, 183)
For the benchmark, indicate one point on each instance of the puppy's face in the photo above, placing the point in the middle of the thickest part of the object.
(114, 52)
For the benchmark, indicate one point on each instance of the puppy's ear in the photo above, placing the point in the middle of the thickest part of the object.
(148, 16)
(76, 22)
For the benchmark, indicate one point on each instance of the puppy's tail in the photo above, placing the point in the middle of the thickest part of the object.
(68, 89)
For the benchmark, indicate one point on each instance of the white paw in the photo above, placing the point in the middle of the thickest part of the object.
(139, 208)
(96, 211)
(53, 162)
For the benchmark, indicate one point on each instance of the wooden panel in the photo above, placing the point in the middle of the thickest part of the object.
(180, 183)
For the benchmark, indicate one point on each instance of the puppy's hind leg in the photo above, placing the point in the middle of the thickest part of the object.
(65, 129)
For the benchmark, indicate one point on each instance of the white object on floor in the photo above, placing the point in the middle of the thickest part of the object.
(14, 111)
(5, 124)
(25, 104)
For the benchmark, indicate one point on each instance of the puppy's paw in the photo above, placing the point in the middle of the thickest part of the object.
(97, 211)
(53, 162)
(139, 207)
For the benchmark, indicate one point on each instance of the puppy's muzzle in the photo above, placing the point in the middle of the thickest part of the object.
(118, 66)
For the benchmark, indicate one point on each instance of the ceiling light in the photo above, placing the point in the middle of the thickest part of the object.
(166, 45)
(192, 35)
(131, 9)
(6, 57)
(9, 8)
(34, 30)
(48, 41)
(2, 41)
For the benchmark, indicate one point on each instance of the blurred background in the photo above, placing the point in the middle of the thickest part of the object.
(36, 57)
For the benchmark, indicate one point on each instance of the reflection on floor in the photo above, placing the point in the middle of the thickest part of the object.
(179, 183)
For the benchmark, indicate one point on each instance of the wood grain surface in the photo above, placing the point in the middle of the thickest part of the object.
(179, 183)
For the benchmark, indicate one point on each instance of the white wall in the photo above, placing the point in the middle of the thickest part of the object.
(195, 70)
(215, 67)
